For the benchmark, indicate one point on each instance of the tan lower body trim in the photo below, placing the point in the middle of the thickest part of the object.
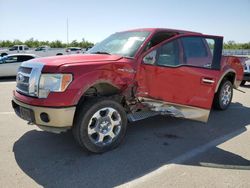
(59, 117)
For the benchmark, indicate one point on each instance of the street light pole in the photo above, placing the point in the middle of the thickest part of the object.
(67, 32)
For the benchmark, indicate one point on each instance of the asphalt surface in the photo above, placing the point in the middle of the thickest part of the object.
(157, 152)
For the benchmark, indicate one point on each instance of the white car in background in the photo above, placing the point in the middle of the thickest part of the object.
(9, 64)
(246, 77)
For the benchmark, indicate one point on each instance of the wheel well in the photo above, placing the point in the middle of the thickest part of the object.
(100, 90)
(230, 76)
(3, 54)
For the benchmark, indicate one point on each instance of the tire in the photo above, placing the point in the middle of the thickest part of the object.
(59, 54)
(242, 82)
(100, 125)
(224, 95)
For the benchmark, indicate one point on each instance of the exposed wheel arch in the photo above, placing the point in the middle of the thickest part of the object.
(228, 75)
(101, 89)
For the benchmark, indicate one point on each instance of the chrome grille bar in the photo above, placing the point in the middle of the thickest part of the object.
(28, 76)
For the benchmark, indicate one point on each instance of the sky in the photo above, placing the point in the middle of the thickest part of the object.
(94, 20)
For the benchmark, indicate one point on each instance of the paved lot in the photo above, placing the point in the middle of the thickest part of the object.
(157, 152)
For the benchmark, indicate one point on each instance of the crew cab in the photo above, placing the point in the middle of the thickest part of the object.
(129, 76)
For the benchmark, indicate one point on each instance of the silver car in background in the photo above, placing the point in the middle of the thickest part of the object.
(9, 64)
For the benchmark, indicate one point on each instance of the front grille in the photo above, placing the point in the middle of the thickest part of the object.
(28, 76)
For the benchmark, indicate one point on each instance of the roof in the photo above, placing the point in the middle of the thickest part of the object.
(166, 30)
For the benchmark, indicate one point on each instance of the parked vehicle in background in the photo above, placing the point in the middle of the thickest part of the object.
(15, 49)
(129, 76)
(42, 48)
(246, 77)
(9, 64)
(73, 50)
(41, 51)
(19, 48)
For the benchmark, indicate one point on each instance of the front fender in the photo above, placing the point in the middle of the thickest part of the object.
(111, 77)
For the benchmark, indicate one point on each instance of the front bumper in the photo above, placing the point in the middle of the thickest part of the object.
(45, 116)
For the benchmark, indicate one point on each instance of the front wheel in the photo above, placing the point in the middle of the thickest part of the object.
(100, 125)
(224, 95)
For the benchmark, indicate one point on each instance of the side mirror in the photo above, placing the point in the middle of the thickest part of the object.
(150, 58)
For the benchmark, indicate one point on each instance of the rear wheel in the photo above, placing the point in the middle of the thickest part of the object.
(100, 125)
(224, 95)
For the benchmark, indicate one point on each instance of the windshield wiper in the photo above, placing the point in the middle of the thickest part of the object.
(101, 52)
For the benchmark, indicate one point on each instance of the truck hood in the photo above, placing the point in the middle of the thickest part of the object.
(71, 59)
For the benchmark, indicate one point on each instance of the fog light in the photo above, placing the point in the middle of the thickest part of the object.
(44, 117)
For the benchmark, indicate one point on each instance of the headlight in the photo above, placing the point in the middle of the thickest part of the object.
(53, 83)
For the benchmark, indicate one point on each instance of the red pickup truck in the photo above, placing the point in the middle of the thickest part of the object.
(128, 76)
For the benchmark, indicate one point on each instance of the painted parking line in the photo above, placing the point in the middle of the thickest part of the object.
(186, 156)
(6, 83)
(6, 113)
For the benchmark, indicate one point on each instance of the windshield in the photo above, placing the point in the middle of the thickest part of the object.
(125, 44)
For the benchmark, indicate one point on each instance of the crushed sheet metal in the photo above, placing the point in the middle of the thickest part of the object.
(176, 110)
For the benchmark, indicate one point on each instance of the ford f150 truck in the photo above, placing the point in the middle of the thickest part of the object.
(127, 77)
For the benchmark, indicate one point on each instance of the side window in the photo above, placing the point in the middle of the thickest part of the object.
(188, 51)
(169, 54)
(158, 38)
(166, 55)
(150, 58)
(197, 51)
(24, 58)
(12, 59)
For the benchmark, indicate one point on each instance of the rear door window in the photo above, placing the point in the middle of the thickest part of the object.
(24, 58)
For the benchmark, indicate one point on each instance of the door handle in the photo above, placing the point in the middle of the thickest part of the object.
(207, 80)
